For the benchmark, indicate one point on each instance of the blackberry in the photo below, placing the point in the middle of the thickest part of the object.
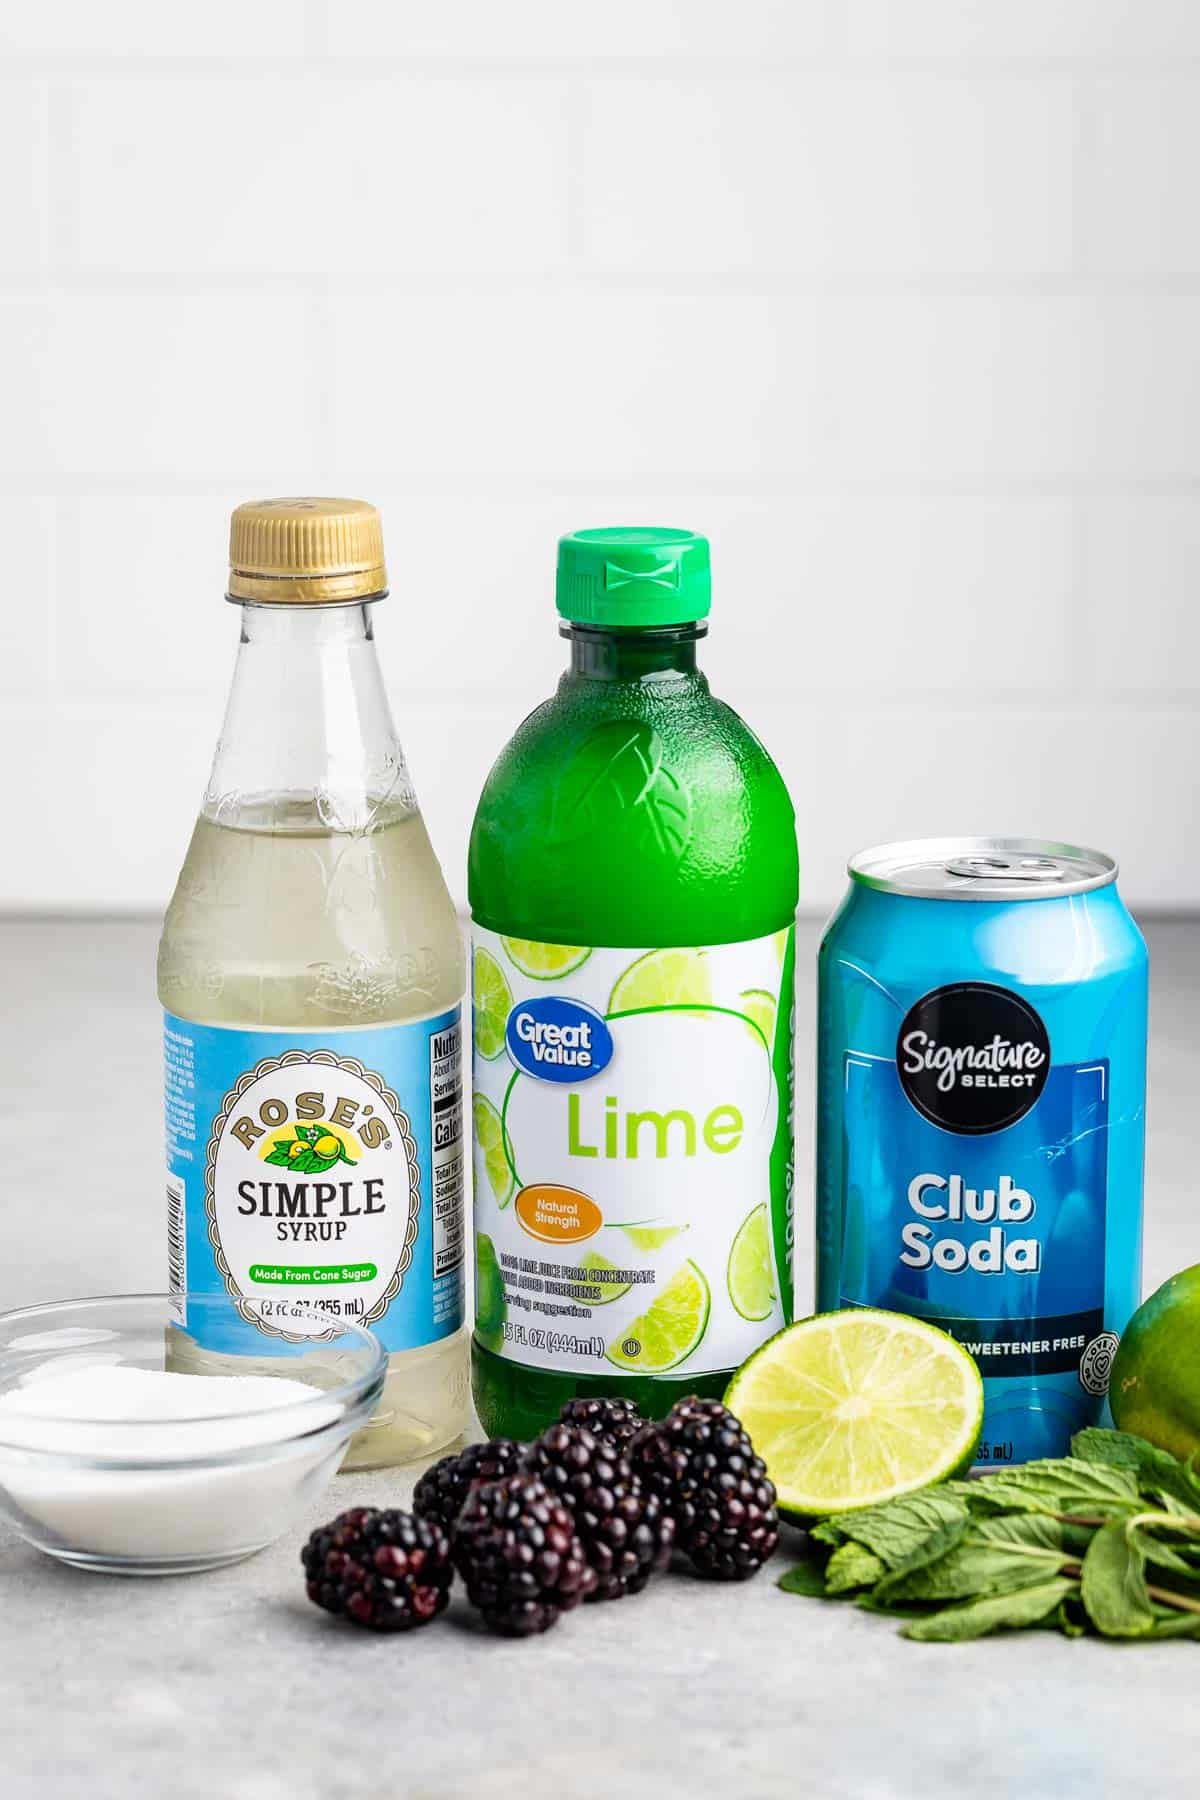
(625, 1530)
(614, 1420)
(517, 1550)
(700, 1462)
(442, 1490)
(381, 1569)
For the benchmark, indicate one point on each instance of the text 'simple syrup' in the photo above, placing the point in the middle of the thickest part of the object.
(981, 1114)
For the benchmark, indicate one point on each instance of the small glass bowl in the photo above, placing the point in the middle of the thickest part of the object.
(136, 1495)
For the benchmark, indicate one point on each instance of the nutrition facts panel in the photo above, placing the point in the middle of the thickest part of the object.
(446, 1133)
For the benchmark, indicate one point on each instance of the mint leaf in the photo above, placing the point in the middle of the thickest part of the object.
(995, 1556)
(998, 1612)
(1156, 1470)
(905, 1581)
(852, 1566)
(1058, 1484)
(826, 1532)
(1157, 1550)
(898, 1528)
(1114, 1583)
(805, 1578)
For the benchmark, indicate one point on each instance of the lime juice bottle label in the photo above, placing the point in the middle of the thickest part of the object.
(325, 1168)
(633, 1152)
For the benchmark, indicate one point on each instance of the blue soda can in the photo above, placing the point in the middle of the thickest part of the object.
(981, 1116)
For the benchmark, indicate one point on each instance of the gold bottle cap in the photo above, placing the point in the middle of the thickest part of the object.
(306, 550)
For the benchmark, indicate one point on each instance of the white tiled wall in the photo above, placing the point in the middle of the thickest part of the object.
(899, 300)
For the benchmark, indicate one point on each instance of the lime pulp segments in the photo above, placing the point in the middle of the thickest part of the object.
(544, 962)
(669, 1330)
(650, 1237)
(849, 1409)
(493, 1000)
(489, 1135)
(750, 1276)
(595, 1270)
(663, 978)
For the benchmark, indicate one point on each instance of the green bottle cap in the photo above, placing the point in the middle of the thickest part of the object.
(633, 575)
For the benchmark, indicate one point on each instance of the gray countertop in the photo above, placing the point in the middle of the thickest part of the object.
(230, 1684)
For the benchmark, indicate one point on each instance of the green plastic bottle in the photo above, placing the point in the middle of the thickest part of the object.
(633, 887)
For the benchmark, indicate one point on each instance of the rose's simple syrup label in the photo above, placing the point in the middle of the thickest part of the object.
(322, 1169)
(633, 1152)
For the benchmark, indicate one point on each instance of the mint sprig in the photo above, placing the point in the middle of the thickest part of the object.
(1106, 1541)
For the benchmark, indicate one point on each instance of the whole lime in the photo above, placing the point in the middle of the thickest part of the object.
(1155, 1385)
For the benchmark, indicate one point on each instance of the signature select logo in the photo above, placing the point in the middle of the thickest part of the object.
(999, 1063)
(972, 1057)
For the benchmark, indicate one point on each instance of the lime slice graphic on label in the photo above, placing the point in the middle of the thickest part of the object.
(669, 1329)
(595, 1267)
(493, 1001)
(750, 1276)
(489, 1135)
(491, 1308)
(852, 1408)
(663, 978)
(650, 1237)
(544, 962)
(759, 1007)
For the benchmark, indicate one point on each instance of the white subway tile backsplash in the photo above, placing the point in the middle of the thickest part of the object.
(888, 388)
(909, 601)
(828, 173)
(170, 384)
(870, 776)
(1133, 29)
(141, 600)
(1136, 414)
(130, 29)
(29, 550)
(1137, 196)
(892, 298)
(577, 385)
(277, 174)
(1139, 558)
(533, 30)
(25, 219)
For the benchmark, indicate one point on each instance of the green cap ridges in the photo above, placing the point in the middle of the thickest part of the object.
(633, 576)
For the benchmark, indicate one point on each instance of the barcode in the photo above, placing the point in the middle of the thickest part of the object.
(176, 1244)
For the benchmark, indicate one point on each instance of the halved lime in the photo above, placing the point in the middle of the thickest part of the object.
(670, 1328)
(663, 978)
(493, 1000)
(489, 1135)
(650, 1237)
(544, 962)
(760, 1008)
(849, 1409)
(750, 1274)
(596, 1271)
(491, 1307)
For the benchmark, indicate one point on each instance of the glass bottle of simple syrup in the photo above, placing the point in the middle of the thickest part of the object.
(311, 971)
